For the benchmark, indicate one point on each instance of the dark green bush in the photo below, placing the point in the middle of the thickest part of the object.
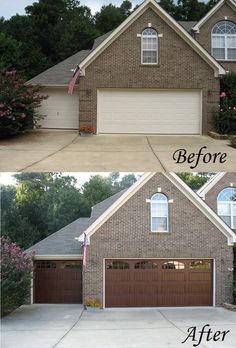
(225, 117)
(18, 105)
(16, 267)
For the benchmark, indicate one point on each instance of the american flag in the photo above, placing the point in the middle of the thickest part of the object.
(74, 80)
(84, 250)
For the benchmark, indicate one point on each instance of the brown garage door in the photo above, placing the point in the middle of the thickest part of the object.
(154, 283)
(58, 282)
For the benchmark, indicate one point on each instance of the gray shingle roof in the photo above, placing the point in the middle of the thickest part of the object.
(100, 39)
(187, 25)
(63, 241)
(59, 74)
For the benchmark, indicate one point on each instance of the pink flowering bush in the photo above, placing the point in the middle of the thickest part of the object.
(16, 267)
(225, 117)
(18, 104)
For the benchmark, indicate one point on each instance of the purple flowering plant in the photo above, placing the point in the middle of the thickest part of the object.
(16, 268)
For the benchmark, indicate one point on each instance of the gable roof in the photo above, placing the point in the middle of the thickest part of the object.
(209, 184)
(62, 243)
(218, 69)
(184, 188)
(211, 12)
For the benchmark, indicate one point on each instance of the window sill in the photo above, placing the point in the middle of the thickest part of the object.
(226, 60)
(149, 65)
(159, 232)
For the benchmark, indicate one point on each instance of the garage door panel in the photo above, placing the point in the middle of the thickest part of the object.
(58, 284)
(149, 111)
(61, 110)
(169, 283)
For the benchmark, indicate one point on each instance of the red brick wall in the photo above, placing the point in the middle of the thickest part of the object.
(180, 67)
(127, 235)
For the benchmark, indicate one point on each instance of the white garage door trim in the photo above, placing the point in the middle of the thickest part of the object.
(108, 101)
(62, 110)
(159, 258)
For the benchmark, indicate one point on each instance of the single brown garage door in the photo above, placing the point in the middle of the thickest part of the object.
(58, 282)
(154, 283)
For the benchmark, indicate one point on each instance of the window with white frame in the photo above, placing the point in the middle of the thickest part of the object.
(149, 46)
(159, 213)
(224, 40)
(226, 206)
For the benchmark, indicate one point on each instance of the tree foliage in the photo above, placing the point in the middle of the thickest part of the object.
(18, 104)
(16, 267)
(42, 203)
(52, 30)
(195, 180)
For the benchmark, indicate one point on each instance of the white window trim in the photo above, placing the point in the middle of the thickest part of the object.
(160, 216)
(153, 50)
(231, 205)
(225, 36)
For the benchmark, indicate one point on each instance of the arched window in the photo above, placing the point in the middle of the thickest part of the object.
(173, 265)
(223, 40)
(159, 213)
(145, 265)
(226, 206)
(149, 46)
(117, 265)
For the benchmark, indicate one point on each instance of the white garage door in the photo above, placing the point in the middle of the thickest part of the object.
(61, 109)
(149, 111)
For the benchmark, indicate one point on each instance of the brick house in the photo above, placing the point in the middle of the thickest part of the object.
(157, 243)
(151, 75)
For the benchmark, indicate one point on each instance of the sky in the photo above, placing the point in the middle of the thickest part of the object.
(9, 8)
(8, 179)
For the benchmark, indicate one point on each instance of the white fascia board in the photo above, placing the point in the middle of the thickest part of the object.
(115, 206)
(210, 13)
(57, 257)
(209, 184)
(218, 69)
(203, 207)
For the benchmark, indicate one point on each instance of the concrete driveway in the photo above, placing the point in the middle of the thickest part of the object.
(68, 326)
(45, 150)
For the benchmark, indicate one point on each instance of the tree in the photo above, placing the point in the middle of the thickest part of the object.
(10, 52)
(190, 10)
(16, 267)
(18, 104)
(111, 16)
(195, 181)
(169, 6)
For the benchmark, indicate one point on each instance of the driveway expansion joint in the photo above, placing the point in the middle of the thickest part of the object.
(68, 331)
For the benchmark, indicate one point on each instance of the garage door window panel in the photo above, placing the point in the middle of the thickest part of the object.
(159, 213)
(146, 265)
(149, 46)
(173, 265)
(117, 265)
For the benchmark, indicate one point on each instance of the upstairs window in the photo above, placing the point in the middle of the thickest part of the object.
(226, 206)
(224, 40)
(149, 46)
(159, 213)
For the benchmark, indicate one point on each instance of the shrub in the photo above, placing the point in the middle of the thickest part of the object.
(225, 117)
(18, 104)
(86, 128)
(95, 303)
(232, 141)
(16, 267)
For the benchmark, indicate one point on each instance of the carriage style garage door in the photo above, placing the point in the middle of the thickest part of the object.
(154, 283)
(149, 111)
(61, 109)
(58, 282)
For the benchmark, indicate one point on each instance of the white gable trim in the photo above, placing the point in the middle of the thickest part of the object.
(58, 257)
(203, 207)
(184, 188)
(209, 184)
(210, 13)
(218, 69)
